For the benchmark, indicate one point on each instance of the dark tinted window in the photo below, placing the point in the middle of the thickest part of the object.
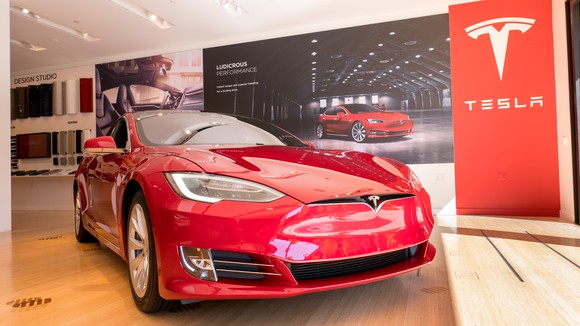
(119, 133)
(361, 108)
(161, 128)
(331, 111)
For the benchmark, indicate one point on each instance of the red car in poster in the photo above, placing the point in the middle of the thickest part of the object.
(210, 206)
(362, 121)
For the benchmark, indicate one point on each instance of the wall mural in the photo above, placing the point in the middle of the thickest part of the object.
(392, 78)
(381, 88)
(168, 82)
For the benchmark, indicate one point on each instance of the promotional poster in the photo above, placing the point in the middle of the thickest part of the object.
(504, 111)
(393, 79)
(167, 82)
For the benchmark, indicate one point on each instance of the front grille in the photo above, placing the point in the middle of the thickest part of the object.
(320, 270)
(400, 133)
(236, 265)
(361, 199)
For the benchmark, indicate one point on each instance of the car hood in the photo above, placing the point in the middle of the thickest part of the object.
(308, 175)
(385, 115)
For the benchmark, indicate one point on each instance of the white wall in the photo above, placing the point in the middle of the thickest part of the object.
(5, 206)
(48, 192)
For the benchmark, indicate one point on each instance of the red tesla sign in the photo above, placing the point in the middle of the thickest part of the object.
(504, 111)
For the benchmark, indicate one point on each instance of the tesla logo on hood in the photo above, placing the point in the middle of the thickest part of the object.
(499, 38)
(373, 201)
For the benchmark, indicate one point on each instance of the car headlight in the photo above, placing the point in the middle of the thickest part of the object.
(415, 183)
(375, 120)
(210, 188)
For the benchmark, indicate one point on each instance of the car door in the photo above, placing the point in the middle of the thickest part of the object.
(342, 122)
(331, 120)
(106, 175)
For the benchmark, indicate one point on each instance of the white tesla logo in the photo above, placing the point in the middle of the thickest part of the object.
(499, 38)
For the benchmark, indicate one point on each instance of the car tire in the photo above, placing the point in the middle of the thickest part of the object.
(141, 259)
(82, 235)
(358, 132)
(320, 133)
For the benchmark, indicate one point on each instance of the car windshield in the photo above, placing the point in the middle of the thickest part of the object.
(168, 128)
(361, 108)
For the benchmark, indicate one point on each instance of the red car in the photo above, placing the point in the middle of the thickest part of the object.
(362, 121)
(210, 206)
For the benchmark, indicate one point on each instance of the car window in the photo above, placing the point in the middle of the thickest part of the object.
(164, 128)
(144, 94)
(111, 93)
(361, 108)
(119, 134)
(331, 111)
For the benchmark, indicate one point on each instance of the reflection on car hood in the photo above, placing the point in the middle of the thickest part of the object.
(308, 175)
(385, 115)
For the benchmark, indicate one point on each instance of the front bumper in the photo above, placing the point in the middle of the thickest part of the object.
(284, 234)
(390, 129)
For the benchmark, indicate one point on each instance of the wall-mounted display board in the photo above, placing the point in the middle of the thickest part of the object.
(56, 98)
(504, 108)
(52, 117)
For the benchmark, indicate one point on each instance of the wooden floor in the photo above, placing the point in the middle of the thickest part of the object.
(488, 271)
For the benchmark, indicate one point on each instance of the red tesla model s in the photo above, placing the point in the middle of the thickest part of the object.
(210, 206)
(362, 121)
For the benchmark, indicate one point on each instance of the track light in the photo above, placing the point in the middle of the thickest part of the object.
(232, 7)
(26, 45)
(144, 13)
(47, 22)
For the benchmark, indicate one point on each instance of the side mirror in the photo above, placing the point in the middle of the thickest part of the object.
(340, 114)
(102, 145)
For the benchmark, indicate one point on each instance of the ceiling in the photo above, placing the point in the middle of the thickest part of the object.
(197, 24)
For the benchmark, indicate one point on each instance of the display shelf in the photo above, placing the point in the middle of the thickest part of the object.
(44, 173)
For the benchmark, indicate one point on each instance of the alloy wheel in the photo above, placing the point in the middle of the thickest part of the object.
(138, 251)
(78, 214)
(358, 132)
(320, 131)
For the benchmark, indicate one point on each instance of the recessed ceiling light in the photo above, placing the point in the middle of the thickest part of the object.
(392, 33)
(25, 11)
(313, 53)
